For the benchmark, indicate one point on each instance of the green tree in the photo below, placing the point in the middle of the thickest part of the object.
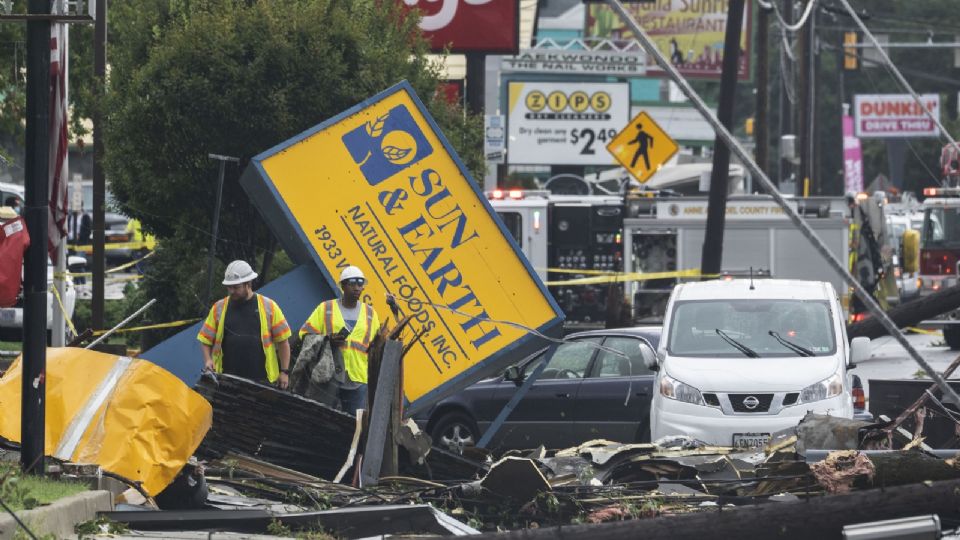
(13, 83)
(237, 77)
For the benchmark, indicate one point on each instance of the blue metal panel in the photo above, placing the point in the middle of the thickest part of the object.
(297, 293)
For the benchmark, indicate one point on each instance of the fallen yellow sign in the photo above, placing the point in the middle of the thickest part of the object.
(129, 416)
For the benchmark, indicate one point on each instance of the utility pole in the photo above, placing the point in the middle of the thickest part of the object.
(786, 88)
(816, 181)
(806, 103)
(761, 130)
(712, 257)
(99, 182)
(33, 387)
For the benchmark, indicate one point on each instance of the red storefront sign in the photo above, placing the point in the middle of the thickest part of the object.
(488, 26)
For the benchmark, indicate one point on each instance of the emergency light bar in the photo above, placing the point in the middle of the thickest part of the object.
(941, 192)
(499, 194)
(516, 194)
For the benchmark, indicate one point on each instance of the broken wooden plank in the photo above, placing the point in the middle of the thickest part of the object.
(380, 415)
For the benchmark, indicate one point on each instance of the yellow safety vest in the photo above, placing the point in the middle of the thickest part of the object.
(211, 333)
(327, 319)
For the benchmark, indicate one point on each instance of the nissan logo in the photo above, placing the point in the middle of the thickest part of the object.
(750, 402)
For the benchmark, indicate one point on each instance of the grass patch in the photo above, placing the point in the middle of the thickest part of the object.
(10, 346)
(23, 492)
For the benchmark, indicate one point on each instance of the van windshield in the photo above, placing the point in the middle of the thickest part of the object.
(805, 328)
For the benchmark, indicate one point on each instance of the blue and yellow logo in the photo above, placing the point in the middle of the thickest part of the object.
(387, 145)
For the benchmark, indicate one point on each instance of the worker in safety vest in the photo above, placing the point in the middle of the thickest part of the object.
(351, 325)
(249, 339)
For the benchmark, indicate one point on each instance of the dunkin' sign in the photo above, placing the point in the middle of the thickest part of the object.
(895, 115)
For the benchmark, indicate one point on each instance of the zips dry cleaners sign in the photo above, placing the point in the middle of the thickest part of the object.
(379, 187)
(564, 123)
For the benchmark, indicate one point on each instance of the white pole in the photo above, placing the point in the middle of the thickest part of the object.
(59, 147)
(121, 324)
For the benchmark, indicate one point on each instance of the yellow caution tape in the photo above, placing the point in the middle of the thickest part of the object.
(121, 279)
(123, 266)
(66, 316)
(149, 327)
(635, 276)
(110, 246)
(581, 271)
(924, 331)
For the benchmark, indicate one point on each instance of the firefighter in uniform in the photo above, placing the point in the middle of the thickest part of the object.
(351, 325)
(250, 338)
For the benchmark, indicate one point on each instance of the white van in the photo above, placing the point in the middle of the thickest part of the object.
(740, 359)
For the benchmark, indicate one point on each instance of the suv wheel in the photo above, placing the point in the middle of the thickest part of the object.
(454, 431)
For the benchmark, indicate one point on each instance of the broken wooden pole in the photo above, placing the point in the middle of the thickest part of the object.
(902, 468)
(381, 413)
(391, 451)
(817, 517)
(909, 313)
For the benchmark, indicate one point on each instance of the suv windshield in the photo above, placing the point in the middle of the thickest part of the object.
(941, 227)
(754, 324)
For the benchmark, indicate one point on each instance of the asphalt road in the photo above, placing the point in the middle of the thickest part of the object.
(889, 360)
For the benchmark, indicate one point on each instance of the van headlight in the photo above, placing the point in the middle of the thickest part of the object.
(674, 389)
(825, 389)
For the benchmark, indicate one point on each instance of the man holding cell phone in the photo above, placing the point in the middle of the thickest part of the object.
(351, 325)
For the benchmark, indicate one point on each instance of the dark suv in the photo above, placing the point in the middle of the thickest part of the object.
(584, 393)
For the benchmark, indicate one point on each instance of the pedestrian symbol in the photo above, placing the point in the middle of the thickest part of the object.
(642, 147)
(642, 140)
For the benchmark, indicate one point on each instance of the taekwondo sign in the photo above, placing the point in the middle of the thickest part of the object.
(379, 187)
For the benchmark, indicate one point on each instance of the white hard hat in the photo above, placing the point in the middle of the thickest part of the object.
(238, 272)
(351, 272)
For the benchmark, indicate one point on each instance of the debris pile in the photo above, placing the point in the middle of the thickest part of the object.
(282, 462)
(297, 433)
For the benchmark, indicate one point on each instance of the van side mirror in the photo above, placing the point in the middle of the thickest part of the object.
(859, 351)
(649, 358)
(911, 251)
(514, 374)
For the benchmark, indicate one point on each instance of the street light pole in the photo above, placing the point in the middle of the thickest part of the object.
(216, 218)
(33, 387)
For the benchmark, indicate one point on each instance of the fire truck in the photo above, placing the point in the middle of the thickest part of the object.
(570, 237)
(666, 234)
(940, 253)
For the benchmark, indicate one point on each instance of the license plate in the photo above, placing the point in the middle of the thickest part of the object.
(7, 315)
(750, 440)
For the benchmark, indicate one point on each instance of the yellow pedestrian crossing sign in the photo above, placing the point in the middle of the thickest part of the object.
(642, 147)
